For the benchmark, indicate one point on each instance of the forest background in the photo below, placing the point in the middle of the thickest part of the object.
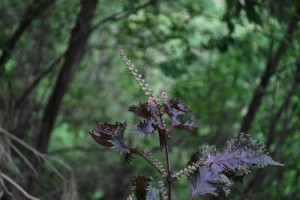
(236, 64)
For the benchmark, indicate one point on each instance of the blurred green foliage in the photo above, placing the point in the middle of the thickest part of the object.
(209, 53)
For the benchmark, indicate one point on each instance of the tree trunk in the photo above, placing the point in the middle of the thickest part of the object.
(73, 56)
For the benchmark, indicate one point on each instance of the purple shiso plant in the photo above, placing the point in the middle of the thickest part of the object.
(208, 171)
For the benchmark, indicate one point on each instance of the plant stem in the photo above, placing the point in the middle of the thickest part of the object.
(135, 151)
(169, 173)
(168, 179)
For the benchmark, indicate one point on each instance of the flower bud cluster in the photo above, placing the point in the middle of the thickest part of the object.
(157, 164)
(153, 102)
(147, 151)
(162, 190)
(189, 170)
(129, 198)
(164, 97)
(157, 109)
(138, 77)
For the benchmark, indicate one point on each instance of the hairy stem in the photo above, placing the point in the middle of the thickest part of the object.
(169, 178)
(169, 173)
(161, 171)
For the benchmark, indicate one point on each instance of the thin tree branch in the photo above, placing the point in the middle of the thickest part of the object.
(24, 158)
(43, 157)
(256, 180)
(284, 105)
(17, 186)
(5, 154)
(72, 149)
(4, 188)
(121, 14)
(11, 136)
(34, 84)
(33, 10)
(270, 69)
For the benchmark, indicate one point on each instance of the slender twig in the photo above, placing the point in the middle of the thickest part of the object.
(11, 136)
(55, 170)
(5, 152)
(274, 122)
(43, 157)
(24, 158)
(4, 188)
(37, 81)
(270, 69)
(60, 161)
(121, 14)
(74, 148)
(283, 106)
(34, 9)
(18, 187)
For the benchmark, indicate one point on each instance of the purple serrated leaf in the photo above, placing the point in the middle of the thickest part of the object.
(143, 110)
(163, 137)
(178, 105)
(111, 135)
(220, 168)
(201, 185)
(207, 183)
(175, 109)
(190, 125)
(141, 184)
(241, 154)
(143, 128)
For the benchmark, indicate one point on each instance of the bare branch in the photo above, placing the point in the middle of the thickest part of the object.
(24, 158)
(44, 157)
(34, 84)
(256, 180)
(11, 136)
(33, 10)
(284, 105)
(269, 71)
(122, 14)
(17, 186)
(75, 148)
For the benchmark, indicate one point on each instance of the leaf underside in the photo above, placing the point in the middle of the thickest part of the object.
(143, 128)
(221, 169)
(111, 135)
